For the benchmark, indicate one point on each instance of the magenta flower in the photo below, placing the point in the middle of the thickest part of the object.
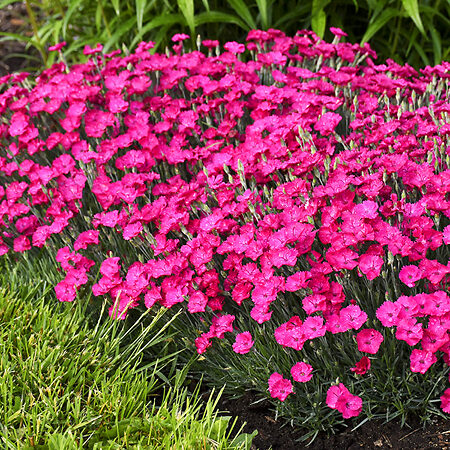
(339, 397)
(57, 47)
(279, 387)
(349, 406)
(409, 275)
(446, 235)
(243, 343)
(334, 393)
(370, 265)
(179, 37)
(421, 360)
(362, 366)
(301, 372)
(369, 340)
(387, 314)
(197, 302)
(445, 401)
(327, 123)
(86, 238)
(353, 316)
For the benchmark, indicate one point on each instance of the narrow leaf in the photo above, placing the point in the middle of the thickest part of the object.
(140, 7)
(243, 12)
(161, 20)
(217, 17)
(187, 9)
(116, 6)
(412, 8)
(381, 21)
(263, 11)
(319, 17)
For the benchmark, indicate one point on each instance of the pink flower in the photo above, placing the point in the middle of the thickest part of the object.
(387, 314)
(349, 406)
(301, 372)
(339, 397)
(243, 343)
(221, 325)
(202, 343)
(327, 123)
(65, 291)
(353, 316)
(338, 32)
(362, 366)
(409, 275)
(313, 327)
(446, 236)
(86, 238)
(234, 47)
(279, 387)
(57, 47)
(21, 244)
(334, 393)
(445, 401)
(410, 331)
(370, 265)
(180, 37)
(421, 360)
(91, 51)
(369, 340)
(197, 302)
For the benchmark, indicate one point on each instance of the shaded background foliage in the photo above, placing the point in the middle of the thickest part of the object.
(407, 31)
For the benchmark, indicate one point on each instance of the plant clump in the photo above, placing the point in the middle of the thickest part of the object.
(289, 194)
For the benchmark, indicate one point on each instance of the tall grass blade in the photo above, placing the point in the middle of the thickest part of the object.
(263, 11)
(412, 8)
(187, 9)
(319, 17)
(218, 17)
(380, 22)
(243, 12)
(158, 21)
(140, 8)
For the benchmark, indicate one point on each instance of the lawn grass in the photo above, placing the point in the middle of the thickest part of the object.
(69, 383)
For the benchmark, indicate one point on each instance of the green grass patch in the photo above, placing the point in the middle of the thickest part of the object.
(68, 384)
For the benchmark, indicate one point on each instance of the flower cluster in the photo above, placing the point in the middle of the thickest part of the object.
(282, 167)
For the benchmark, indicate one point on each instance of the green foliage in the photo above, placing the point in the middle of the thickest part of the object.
(404, 30)
(65, 384)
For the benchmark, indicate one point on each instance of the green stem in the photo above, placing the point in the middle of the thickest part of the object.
(397, 34)
(105, 20)
(35, 31)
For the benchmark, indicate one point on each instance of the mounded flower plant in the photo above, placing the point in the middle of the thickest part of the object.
(290, 195)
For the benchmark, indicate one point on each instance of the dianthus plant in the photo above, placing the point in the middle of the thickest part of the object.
(289, 194)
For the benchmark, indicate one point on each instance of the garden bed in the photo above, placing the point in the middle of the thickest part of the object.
(372, 435)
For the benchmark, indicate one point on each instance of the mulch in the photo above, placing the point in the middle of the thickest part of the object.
(374, 434)
(13, 19)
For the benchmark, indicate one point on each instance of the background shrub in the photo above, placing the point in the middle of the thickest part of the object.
(408, 31)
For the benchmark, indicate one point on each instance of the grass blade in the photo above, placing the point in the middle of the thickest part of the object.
(243, 12)
(161, 20)
(412, 8)
(263, 11)
(187, 9)
(140, 7)
(217, 16)
(319, 17)
(381, 21)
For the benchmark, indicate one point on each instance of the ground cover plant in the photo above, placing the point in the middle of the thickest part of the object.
(66, 385)
(289, 195)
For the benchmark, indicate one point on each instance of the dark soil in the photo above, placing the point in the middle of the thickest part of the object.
(372, 435)
(14, 56)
